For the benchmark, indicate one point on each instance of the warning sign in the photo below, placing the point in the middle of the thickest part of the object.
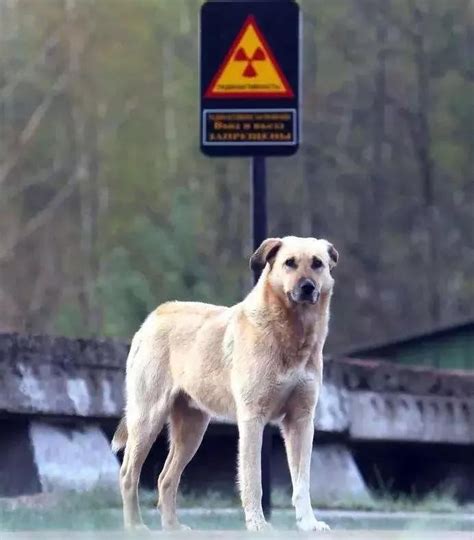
(249, 69)
(250, 127)
(249, 73)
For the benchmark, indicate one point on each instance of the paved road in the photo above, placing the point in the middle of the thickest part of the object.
(240, 535)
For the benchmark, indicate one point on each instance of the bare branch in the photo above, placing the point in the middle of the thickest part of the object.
(41, 218)
(28, 70)
(45, 175)
(345, 161)
(39, 113)
(32, 127)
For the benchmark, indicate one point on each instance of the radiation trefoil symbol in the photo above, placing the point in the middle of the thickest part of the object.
(249, 69)
(257, 56)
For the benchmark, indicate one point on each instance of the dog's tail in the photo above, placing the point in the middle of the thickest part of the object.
(120, 437)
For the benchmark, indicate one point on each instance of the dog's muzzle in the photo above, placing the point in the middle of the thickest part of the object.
(305, 292)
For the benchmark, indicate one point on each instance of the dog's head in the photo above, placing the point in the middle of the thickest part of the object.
(299, 269)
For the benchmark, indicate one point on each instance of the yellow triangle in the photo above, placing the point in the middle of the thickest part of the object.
(249, 69)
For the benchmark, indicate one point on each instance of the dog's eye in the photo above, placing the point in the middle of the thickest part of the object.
(317, 263)
(291, 263)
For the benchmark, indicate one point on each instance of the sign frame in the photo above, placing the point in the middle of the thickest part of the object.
(278, 26)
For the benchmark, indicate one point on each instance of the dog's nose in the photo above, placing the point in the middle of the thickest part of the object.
(307, 287)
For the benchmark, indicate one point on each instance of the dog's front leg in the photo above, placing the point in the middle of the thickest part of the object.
(250, 477)
(298, 432)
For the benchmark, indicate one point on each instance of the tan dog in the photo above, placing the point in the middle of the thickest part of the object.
(255, 362)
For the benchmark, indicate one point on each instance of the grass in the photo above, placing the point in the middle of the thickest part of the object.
(99, 510)
(382, 501)
(435, 502)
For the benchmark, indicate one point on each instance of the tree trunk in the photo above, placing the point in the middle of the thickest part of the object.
(425, 163)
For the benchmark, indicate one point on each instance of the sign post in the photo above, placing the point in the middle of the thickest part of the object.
(249, 103)
(259, 233)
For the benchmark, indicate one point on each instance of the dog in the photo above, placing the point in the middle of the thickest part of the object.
(258, 361)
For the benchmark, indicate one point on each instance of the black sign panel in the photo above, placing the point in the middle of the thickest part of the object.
(250, 77)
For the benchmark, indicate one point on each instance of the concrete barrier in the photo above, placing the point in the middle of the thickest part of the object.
(55, 393)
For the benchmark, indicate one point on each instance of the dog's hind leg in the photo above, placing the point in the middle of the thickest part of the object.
(187, 428)
(143, 427)
(164, 470)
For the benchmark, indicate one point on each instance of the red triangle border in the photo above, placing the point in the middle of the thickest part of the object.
(288, 93)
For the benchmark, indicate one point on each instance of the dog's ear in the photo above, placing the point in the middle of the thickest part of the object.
(265, 253)
(333, 255)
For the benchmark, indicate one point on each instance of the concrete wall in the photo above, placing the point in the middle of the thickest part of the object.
(57, 394)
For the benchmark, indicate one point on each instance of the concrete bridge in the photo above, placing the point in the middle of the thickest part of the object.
(61, 398)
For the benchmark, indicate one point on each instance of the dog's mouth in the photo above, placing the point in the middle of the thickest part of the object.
(299, 297)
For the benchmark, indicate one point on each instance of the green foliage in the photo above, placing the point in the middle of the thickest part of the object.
(157, 262)
(69, 321)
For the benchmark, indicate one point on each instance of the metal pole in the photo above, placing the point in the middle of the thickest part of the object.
(259, 204)
(259, 233)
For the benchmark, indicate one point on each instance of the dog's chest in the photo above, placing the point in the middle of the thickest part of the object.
(297, 354)
(297, 361)
(297, 365)
(286, 383)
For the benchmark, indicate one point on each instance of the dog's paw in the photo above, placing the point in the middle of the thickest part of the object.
(258, 525)
(176, 527)
(182, 527)
(312, 524)
(138, 529)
